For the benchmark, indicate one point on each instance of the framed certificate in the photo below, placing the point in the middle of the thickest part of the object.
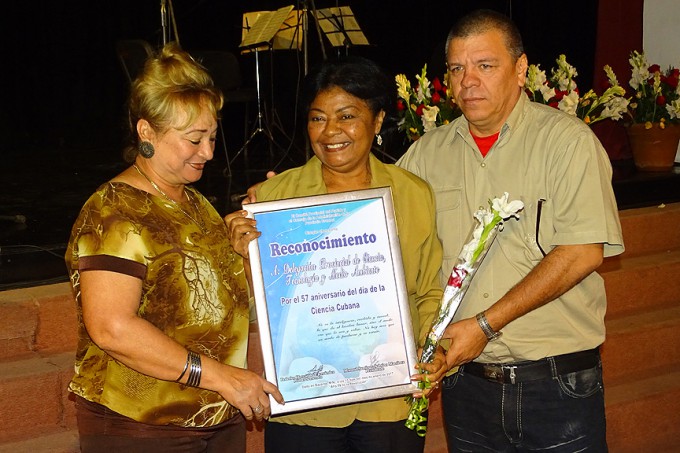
(331, 300)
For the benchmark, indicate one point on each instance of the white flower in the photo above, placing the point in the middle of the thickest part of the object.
(640, 69)
(569, 103)
(564, 75)
(469, 250)
(429, 117)
(484, 217)
(673, 109)
(615, 108)
(507, 209)
(547, 92)
(535, 77)
(537, 81)
(423, 90)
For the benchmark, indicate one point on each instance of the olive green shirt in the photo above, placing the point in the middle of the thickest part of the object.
(421, 255)
(541, 154)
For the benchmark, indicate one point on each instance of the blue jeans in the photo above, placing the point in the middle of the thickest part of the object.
(564, 414)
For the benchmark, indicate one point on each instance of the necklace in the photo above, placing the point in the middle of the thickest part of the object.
(197, 220)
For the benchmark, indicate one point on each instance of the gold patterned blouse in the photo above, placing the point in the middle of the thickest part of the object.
(194, 290)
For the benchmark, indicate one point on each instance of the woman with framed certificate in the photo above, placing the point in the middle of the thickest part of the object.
(347, 105)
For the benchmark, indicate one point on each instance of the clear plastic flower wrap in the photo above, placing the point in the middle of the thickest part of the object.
(488, 223)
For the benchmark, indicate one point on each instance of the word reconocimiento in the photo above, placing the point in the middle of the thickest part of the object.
(276, 249)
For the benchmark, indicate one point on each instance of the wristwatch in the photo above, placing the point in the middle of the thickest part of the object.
(486, 328)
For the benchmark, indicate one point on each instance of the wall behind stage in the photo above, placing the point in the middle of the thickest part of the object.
(661, 39)
(63, 87)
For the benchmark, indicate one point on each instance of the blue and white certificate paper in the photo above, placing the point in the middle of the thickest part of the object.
(331, 301)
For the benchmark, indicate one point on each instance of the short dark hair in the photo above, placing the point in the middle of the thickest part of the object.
(358, 76)
(483, 20)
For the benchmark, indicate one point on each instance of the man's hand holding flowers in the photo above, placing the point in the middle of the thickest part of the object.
(430, 372)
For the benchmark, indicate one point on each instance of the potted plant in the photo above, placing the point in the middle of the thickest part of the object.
(654, 132)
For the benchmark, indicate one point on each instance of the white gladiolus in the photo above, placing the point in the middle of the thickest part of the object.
(547, 92)
(569, 103)
(640, 69)
(615, 108)
(423, 90)
(535, 77)
(564, 75)
(505, 208)
(673, 109)
(429, 117)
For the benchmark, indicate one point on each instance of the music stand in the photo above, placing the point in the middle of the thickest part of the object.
(259, 36)
(288, 37)
(341, 27)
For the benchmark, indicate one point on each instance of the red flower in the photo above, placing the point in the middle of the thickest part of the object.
(419, 110)
(660, 100)
(654, 68)
(554, 104)
(400, 105)
(436, 98)
(559, 94)
(457, 279)
(437, 84)
(672, 79)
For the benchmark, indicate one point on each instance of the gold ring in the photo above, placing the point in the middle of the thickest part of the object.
(258, 409)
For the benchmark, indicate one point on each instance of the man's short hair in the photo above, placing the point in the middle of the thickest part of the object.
(483, 20)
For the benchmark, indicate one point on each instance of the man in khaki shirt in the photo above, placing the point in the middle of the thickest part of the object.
(526, 337)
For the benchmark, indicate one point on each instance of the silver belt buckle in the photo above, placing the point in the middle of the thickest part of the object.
(494, 373)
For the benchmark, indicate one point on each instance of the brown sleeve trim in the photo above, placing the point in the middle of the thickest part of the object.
(113, 264)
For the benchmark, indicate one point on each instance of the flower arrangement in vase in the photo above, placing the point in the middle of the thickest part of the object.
(656, 98)
(655, 114)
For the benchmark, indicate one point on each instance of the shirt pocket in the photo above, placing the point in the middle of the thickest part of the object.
(538, 219)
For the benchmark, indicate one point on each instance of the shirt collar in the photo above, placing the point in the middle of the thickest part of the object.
(462, 126)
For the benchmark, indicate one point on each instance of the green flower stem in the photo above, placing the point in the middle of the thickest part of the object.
(485, 235)
(416, 419)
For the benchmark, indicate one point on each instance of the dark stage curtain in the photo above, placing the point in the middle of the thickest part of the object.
(619, 32)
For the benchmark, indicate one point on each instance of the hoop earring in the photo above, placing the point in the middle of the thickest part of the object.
(378, 139)
(146, 149)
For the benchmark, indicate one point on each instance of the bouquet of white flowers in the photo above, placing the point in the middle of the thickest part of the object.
(489, 223)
